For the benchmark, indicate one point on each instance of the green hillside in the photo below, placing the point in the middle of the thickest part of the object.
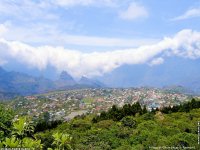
(128, 128)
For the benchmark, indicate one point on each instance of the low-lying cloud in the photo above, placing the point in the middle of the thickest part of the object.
(185, 43)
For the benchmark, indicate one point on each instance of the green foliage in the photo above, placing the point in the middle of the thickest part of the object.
(62, 141)
(186, 107)
(117, 114)
(124, 133)
(6, 117)
(105, 124)
(148, 116)
(130, 127)
(129, 121)
(22, 127)
(30, 143)
(46, 138)
(184, 139)
(80, 124)
(12, 142)
(1, 144)
(136, 130)
(42, 124)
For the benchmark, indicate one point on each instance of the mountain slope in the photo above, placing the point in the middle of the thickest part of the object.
(65, 80)
(89, 82)
(172, 72)
(15, 83)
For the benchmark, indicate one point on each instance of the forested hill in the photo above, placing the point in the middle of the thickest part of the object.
(128, 128)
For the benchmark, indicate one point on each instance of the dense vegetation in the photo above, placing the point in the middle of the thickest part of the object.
(130, 127)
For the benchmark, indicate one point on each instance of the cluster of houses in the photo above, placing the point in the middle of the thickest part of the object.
(66, 104)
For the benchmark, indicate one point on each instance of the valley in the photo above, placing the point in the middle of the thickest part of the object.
(61, 104)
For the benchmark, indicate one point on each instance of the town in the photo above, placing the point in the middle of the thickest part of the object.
(65, 105)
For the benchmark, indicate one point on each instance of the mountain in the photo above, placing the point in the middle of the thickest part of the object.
(15, 83)
(7, 95)
(65, 80)
(174, 71)
(19, 83)
(64, 76)
(177, 89)
(90, 83)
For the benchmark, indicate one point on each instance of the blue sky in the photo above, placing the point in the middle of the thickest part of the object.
(93, 37)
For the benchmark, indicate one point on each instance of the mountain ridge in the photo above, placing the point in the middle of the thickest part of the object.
(23, 84)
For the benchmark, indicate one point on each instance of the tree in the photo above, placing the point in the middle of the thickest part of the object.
(127, 110)
(103, 115)
(21, 128)
(193, 104)
(46, 116)
(144, 110)
(129, 121)
(6, 117)
(136, 108)
(61, 141)
(11, 142)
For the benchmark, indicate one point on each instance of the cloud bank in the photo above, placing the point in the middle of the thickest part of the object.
(185, 43)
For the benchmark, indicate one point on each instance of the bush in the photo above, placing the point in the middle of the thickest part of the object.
(80, 124)
(105, 124)
(129, 121)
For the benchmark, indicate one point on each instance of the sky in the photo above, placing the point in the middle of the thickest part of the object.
(94, 37)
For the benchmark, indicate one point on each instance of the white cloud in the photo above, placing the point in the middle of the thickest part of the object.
(27, 10)
(70, 3)
(2, 62)
(74, 2)
(156, 61)
(40, 34)
(191, 13)
(134, 11)
(104, 41)
(3, 29)
(97, 63)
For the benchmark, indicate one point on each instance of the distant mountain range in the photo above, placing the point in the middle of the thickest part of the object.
(174, 74)
(15, 83)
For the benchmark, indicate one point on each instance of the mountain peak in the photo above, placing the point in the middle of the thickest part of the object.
(65, 80)
(65, 76)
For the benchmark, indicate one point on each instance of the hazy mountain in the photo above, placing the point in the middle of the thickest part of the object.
(65, 80)
(172, 72)
(90, 82)
(178, 89)
(64, 76)
(15, 83)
